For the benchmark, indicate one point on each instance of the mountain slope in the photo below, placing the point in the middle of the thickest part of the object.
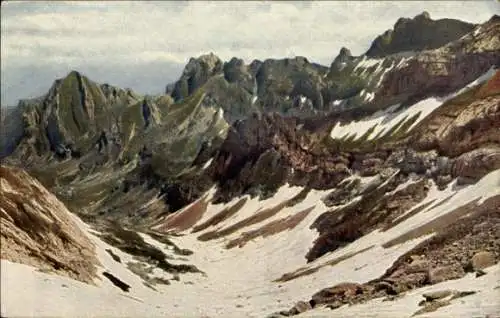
(375, 179)
(260, 282)
(38, 230)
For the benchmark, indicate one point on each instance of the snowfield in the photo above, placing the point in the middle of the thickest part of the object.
(482, 304)
(239, 282)
(390, 119)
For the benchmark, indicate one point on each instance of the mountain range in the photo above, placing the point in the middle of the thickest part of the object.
(275, 188)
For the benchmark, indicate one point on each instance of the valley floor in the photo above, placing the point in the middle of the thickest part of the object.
(239, 281)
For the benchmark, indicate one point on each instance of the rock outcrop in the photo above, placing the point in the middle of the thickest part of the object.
(417, 34)
(445, 69)
(195, 74)
(11, 129)
(38, 230)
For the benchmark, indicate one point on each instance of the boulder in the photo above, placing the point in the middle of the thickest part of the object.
(340, 291)
(416, 266)
(443, 273)
(473, 165)
(300, 307)
(431, 306)
(388, 287)
(430, 296)
(483, 259)
(443, 181)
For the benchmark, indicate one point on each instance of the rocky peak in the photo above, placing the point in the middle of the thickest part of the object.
(494, 18)
(74, 73)
(254, 66)
(235, 71)
(423, 16)
(195, 74)
(68, 119)
(417, 34)
(301, 60)
(235, 62)
(211, 61)
(345, 52)
(344, 57)
(420, 76)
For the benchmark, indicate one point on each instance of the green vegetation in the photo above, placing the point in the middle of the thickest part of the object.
(132, 119)
(179, 112)
(96, 95)
(71, 110)
(387, 37)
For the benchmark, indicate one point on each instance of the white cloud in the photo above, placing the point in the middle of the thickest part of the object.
(86, 35)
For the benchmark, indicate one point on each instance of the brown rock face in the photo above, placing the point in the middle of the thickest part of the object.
(446, 69)
(340, 227)
(444, 273)
(469, 121)
(38, 230)
(337, 292)
(473, 165)
(300, 307)
(262, 153)
(483, 259)
(410, 275)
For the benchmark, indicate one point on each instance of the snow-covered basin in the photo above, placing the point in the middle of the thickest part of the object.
(239, 281)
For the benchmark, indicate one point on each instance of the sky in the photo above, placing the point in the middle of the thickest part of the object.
(145, 45)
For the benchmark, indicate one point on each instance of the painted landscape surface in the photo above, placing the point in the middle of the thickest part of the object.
(280, 187)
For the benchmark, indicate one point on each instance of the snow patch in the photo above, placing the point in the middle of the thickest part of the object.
(481, 79)
(369, 96)
(367, 63)
(402, 63)
(254, 99)
(207, 164)
(485, 188)
(337, 102)
(220, 113)
(382, 121)
(477, 31)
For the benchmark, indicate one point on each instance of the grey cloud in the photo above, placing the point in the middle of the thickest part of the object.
(144, 45)
(22, 8)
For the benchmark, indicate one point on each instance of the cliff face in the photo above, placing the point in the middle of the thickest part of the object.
(446, 69)
(281, 117)
(417, 34)
(420, 56)
(38, 230)
(12, 129)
